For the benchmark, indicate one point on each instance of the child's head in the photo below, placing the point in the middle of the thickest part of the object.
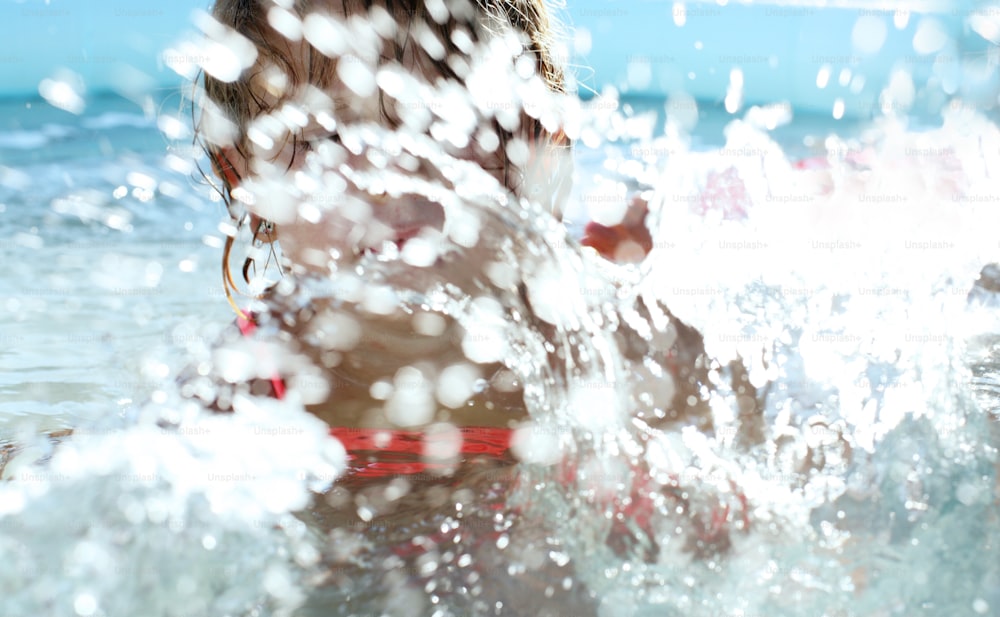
(291, 51)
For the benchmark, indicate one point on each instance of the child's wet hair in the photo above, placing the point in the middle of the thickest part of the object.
(241, 100)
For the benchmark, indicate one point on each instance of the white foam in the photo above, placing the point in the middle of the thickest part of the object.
(23, 140)
(112, 120)
(189, 500)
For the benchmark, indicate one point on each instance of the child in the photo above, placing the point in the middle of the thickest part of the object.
(287, 69)
(370, 366)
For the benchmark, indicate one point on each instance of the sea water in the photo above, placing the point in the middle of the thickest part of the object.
(845, 288)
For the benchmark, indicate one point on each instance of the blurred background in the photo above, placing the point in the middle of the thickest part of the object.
(833, 56)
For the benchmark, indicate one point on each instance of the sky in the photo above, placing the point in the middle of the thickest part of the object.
(820, 59)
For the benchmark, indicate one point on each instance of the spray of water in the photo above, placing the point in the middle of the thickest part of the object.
(727, 429)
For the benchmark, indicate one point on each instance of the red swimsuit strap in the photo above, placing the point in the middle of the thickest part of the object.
(247, 327)
(380, 453)
(475, 439)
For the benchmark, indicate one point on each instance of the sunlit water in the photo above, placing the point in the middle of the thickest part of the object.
(863, 459)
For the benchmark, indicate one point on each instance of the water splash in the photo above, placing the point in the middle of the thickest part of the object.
(728, 429)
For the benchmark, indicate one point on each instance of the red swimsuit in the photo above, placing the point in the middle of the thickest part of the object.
(385, 453)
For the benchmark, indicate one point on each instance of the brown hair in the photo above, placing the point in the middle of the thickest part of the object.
(240, 101)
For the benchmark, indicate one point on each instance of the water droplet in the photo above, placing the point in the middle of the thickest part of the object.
(456, 384)
(680, 14)
(85, 605)
(64, 91)
(356, 75)
(930, 37)
(734, 94)
(285, 23)
(869, 34)
(823, 76)
(838, 109)
(419, 252)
